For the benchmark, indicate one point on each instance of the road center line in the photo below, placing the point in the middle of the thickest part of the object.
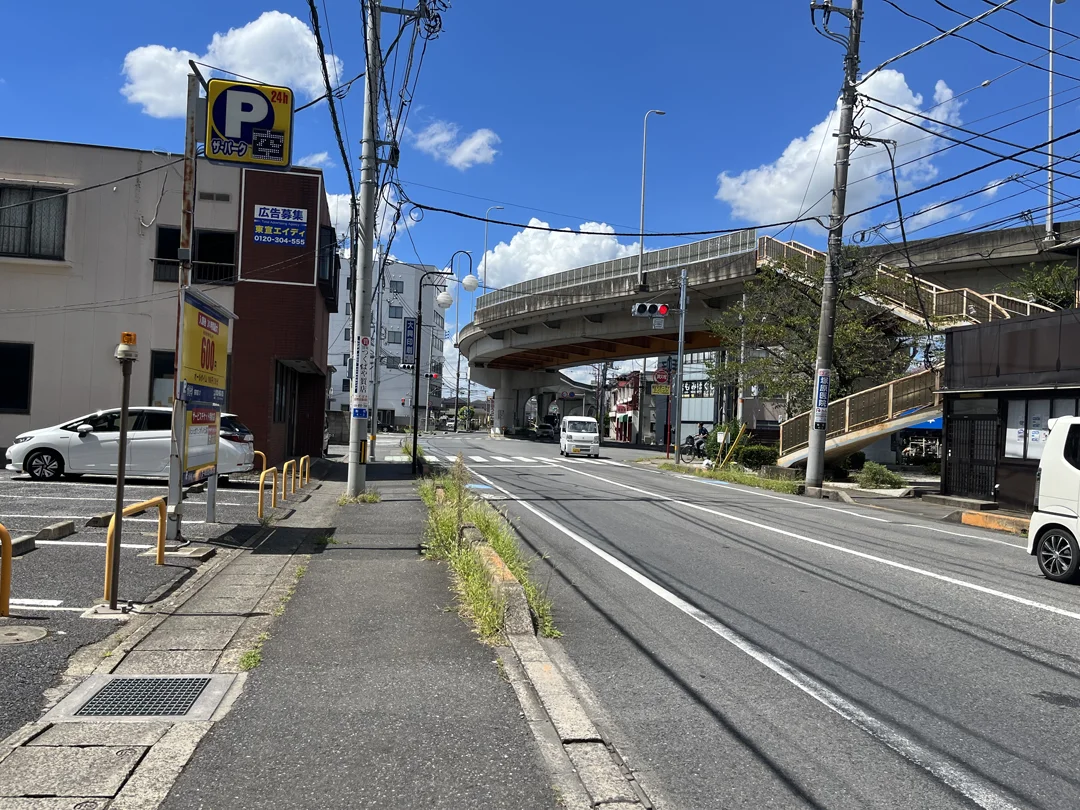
(944, 768)
(844, 550)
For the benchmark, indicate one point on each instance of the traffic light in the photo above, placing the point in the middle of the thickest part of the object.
(648, 310)
(403, 402)
(407, 366)
(432, 376)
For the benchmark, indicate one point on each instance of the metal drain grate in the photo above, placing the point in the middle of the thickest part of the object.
(140, 697)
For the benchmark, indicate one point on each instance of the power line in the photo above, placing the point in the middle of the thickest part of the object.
(1021, 40)
(81, 189)
(330, 99)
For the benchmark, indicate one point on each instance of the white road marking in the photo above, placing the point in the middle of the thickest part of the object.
(94, 544)
(480, 459)
(500, 459)
(87, 517)
(944, 768)
(41, 607)
(522, 458)
(37, 602)
(962, 534)
(844, 550)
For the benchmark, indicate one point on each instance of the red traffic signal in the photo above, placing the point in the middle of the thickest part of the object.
(432, 376)
(403, 401)
(662, 309)
(648, 310)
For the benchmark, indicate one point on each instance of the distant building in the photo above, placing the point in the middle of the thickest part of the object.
(77, 268)
(400, 285)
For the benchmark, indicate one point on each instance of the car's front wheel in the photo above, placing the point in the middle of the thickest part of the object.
(1058, 555)
(44, 465)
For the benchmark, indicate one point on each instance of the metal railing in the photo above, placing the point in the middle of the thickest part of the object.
(285, 490)
(135, 508)
(874, 406)
(305, 471)
(261, 455)
(201, 272)
(917, 296)
(717, 247)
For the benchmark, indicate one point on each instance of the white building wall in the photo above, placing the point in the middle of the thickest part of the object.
(399, 291)
(73, 310)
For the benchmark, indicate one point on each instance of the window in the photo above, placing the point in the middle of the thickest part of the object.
(345, 407)
(395, 312)
(17, 361)
(397, 287)
(213, 256)
(213, 196)
(34, 225)
(344, 359)
(348, 333)
(285, 384)
(1026, 428)
(155, 420)
(161, 378)
(1063, 407)
(393, 336)
(1072, 446)
(108, 422)
(345, 386)
(348, 308)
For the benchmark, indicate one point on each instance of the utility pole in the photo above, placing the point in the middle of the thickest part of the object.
(360, 404)
(677, 391)
(815, 460)
(373, 423)
(173, 528)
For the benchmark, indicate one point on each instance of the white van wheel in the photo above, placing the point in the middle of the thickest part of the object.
(1058, 555)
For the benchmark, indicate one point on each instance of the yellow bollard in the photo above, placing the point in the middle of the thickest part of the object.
(305, 479)
(262, 455)
(5, 570)
(273, 488)
(290, 464)
(159, 502)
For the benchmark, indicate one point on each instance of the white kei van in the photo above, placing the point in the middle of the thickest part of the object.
(579, 435)
(1055, 525)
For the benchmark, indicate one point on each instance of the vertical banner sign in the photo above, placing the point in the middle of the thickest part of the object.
(360, 394)
(408, 354)
(821, 399)
(205, 352)
(275, 225)
(201, 425)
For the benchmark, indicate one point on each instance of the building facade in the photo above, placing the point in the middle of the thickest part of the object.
(400, 290)
(78, 267)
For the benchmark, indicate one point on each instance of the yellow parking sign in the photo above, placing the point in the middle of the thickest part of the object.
(249, 123)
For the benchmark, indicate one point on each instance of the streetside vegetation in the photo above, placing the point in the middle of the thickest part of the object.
(731, 475)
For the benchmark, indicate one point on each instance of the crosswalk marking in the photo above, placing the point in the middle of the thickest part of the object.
(522, 458)
(478, 458)
(500, 459)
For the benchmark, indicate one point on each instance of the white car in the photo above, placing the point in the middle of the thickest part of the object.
(545, 431)
(89, 445)
(579, 435)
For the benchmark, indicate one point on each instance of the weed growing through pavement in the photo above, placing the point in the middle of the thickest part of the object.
(731, 475)
(371, 496)
(253, 657)
(326, 540)
(444, 542)
(267, 520)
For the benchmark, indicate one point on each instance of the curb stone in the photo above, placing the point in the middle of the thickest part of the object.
(597, 773)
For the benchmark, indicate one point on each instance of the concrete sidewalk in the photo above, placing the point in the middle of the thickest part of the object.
(371, 691)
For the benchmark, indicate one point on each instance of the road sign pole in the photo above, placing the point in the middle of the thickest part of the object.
(127, 355)
(679, 371)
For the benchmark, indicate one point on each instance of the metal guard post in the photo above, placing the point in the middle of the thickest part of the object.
(288, 465)
(272, 471)
(305, 465)
(134, 508)
(5, 570)
(262, 455)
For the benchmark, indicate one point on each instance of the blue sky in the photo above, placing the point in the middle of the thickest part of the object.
(539, 107)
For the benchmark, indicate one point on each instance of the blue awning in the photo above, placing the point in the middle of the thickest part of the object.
(933, 424)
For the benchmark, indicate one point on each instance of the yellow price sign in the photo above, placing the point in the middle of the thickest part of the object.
(205, 352)
(659, 390)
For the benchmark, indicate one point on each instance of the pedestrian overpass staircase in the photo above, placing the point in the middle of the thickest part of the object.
(861, 419)
(911, 298)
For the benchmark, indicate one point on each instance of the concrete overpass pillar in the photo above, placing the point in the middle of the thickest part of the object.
(504, 405)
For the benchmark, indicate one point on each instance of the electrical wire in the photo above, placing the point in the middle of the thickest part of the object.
(72, 191)
(1044, 48)
(951, 32)
(345, 158)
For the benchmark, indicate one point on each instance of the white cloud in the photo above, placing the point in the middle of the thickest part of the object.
(440, 140)
(276, 48)
(775, 191)
(993, 187)
(530, 254)
(933, 213)
(318, 160)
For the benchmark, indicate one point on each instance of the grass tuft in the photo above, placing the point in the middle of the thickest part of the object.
(253, 657)
(370, 496)
(476, 600)
(734, 476)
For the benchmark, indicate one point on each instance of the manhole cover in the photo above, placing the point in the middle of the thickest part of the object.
(21, 634)
(139, 697)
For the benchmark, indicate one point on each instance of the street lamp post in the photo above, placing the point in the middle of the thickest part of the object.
(486, 223)
(641, 230)
(470, 283)
(1050, 237)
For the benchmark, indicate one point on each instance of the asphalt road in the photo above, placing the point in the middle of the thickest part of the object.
(755, 650)
(56, 583)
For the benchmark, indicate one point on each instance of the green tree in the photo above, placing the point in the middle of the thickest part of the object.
(778, 319)
(1052, 285)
